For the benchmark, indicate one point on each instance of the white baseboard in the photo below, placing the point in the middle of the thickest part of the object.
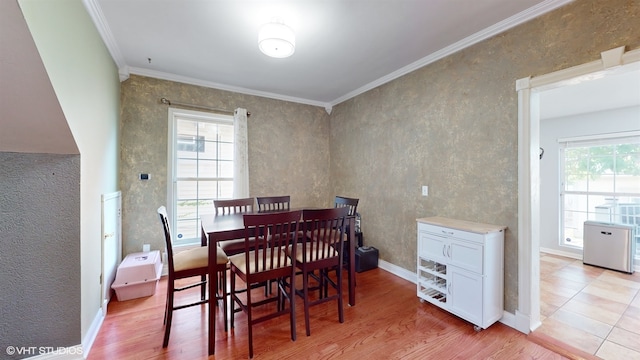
(92, 333)
(398, 271)
(533, 325)
(165, 270)
(516, 321)
(66, 353)
(561, 253)
(76, 352)
(636, 266)
(508, 319)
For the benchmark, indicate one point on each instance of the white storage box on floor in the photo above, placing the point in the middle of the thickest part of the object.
(138, 275)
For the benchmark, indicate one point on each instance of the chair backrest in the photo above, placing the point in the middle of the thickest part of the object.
(351, 203)
(274, 203)
(326, 227)
(233, 206)
(164, 220)
(272, 233)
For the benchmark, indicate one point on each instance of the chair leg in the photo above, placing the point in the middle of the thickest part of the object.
(224, 300)
(339, 289)
(169, 313)
(203, 287)
(292, 308)
(305, 296)
(166, 307)
(249, 321)
(223, 276)
(280, 284)
(324, 284)
(232, 297)
(267, 288)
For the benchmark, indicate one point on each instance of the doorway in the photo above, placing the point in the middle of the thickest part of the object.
(586, 129)
(529, 89)
(590, 132)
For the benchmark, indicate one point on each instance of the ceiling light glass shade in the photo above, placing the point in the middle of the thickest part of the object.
(276, 40)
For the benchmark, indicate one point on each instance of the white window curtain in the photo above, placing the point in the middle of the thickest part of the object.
(241, 155)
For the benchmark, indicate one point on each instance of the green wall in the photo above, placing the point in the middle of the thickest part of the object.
(85, 80)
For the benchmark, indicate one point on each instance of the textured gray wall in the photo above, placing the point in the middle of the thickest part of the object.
(39, 251)
(453, 125)
(288, 151)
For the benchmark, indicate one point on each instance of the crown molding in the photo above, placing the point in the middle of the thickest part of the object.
(95, 12)
(192, 81)
(493, 30)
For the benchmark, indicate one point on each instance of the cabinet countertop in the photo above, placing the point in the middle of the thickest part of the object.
(462, 225)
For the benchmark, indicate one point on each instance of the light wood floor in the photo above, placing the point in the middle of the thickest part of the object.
(593, 309)
(388, 322)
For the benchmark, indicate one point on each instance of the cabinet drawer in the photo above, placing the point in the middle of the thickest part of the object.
(448, 232)
(432, 246)
(467, 255)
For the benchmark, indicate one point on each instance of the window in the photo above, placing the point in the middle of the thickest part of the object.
(601, 182)
(201, 151)
(190, 143)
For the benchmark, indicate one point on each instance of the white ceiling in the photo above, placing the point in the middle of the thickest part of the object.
(596, 92)
(343, 47)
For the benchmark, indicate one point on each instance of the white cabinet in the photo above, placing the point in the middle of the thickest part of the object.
(460, 268)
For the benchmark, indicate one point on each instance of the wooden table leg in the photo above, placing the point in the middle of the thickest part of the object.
(213, 287)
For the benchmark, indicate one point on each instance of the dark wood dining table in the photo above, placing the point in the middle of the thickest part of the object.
(231, 226)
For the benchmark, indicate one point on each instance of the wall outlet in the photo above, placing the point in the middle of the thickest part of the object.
(146, 247)
(425, 190)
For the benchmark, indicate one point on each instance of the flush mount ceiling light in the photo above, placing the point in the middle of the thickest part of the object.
(276, 39)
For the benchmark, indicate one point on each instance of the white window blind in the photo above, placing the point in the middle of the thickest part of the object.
(200, 168)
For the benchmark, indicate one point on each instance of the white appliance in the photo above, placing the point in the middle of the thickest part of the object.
(609, 245)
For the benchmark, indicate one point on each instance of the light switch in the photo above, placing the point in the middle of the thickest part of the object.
(425, 190)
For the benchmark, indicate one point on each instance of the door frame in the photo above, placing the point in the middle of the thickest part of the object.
(527, 316)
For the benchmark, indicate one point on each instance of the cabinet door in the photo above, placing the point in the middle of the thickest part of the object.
(467, 255)
(465, 294)
(432, 246)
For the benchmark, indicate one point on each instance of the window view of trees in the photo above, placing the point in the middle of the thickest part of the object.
(596, 161)
(601, 183)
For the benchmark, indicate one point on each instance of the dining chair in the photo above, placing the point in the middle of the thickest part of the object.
(274, 203)
(235, 246)
(233, 206)
(187, 264)
(273, 233)
(351, 203)
(319, 255)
